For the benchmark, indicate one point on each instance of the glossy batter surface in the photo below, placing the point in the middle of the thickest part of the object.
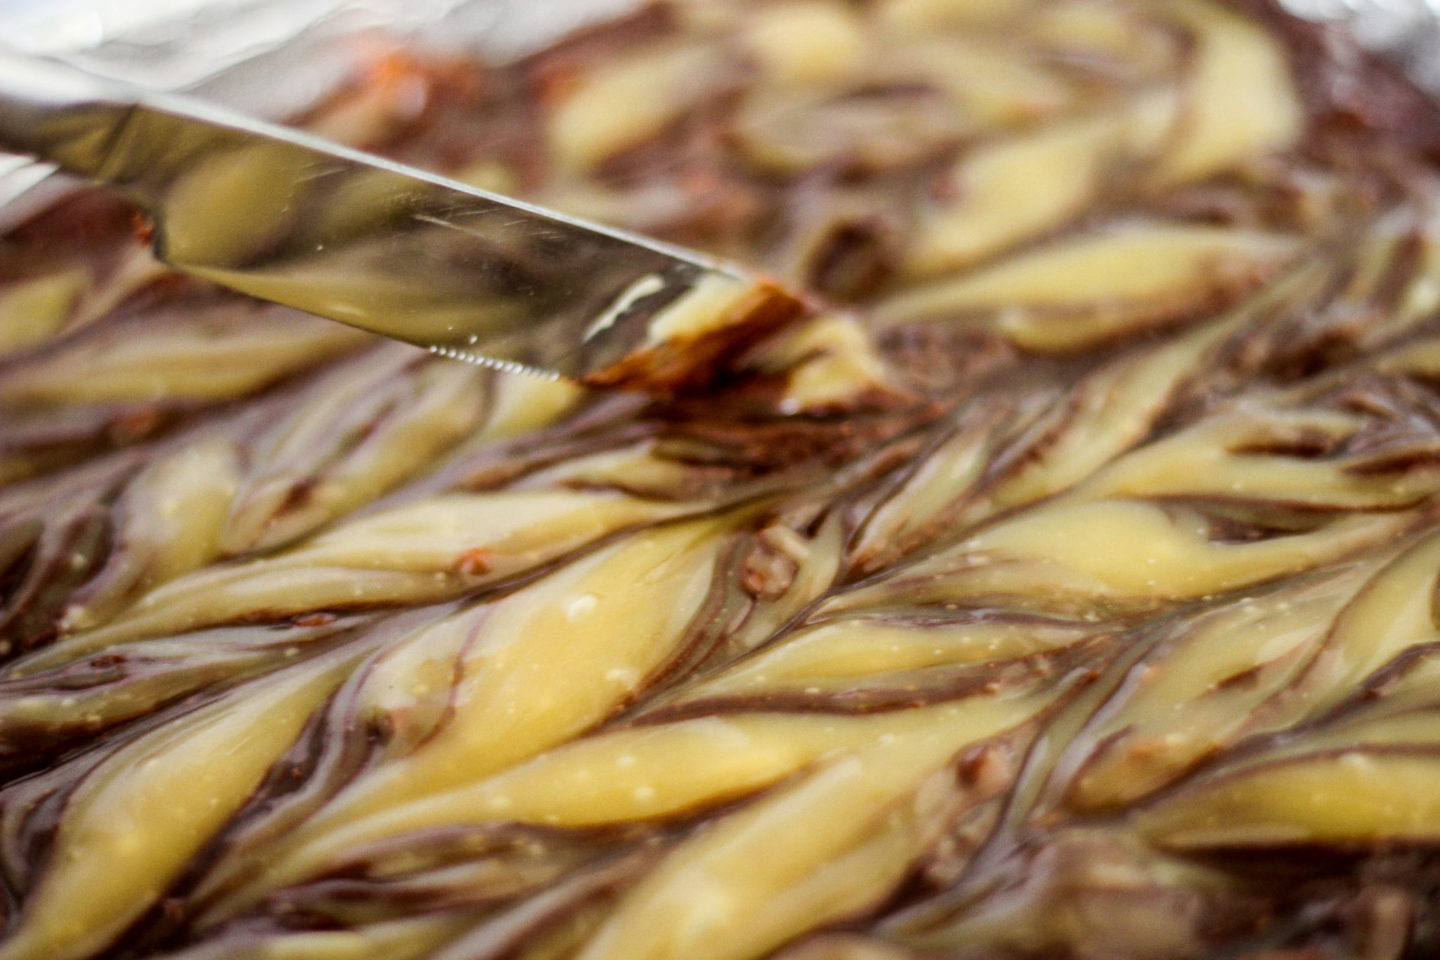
(1067, 588)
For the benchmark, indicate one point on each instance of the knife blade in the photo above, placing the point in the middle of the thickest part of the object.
(467, 274)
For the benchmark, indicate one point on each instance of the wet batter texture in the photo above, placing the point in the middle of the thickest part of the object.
(1066, 588)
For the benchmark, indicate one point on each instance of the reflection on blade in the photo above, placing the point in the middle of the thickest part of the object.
(464, 273)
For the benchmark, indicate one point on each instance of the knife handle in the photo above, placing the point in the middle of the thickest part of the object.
(60, 114)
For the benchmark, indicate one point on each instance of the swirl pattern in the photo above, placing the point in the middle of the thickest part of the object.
(1066, 588)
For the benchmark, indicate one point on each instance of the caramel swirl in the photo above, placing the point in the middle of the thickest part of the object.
(1064, 586)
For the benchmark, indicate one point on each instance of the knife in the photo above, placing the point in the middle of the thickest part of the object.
(465, 273)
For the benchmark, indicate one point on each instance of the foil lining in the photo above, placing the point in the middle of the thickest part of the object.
(1404, 32)
(269, 58)
(184, 44)
(273, 58)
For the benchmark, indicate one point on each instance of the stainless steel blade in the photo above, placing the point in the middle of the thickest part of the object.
(467, 274)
